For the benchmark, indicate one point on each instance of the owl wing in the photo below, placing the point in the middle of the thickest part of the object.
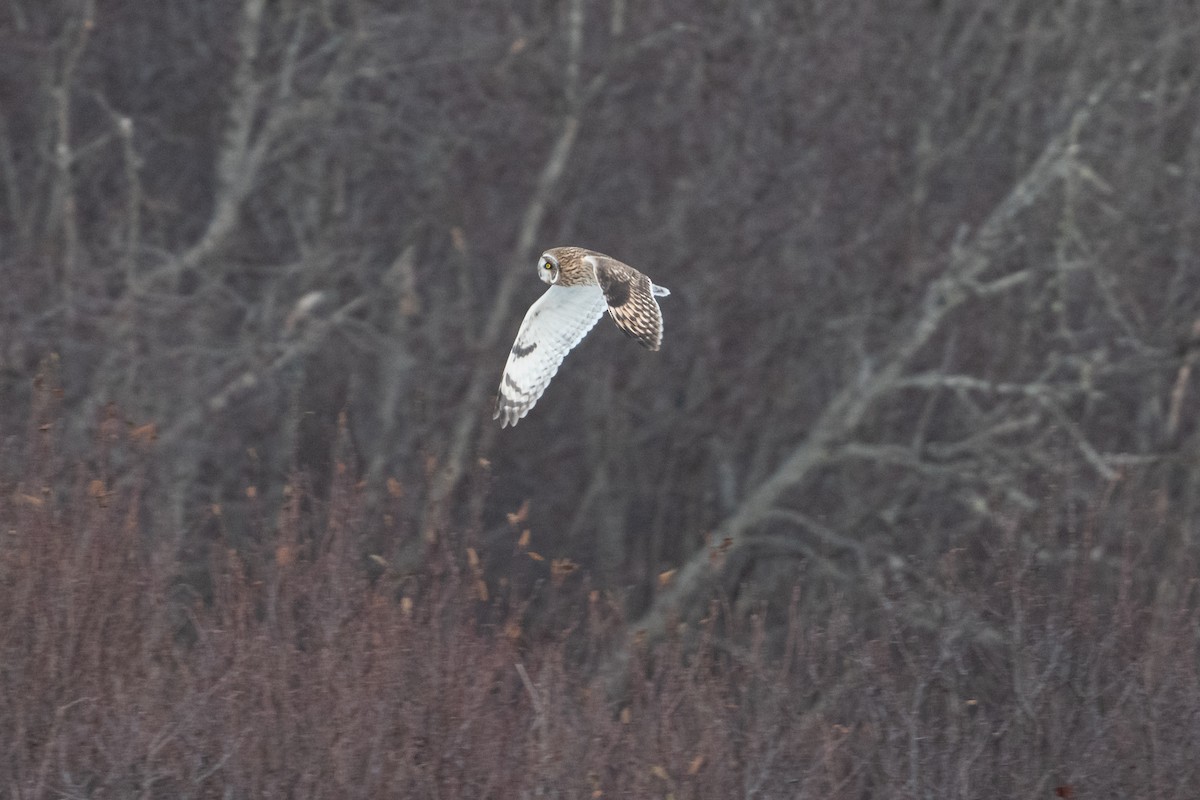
(554, 324)
(630, 298)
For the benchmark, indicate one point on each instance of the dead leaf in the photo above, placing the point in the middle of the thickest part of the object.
(696, 765)
(144, 433)
(284, 555)
(535, 556)
(717, 555)
(664, 578)
(473, 558)
(626, 716)
(481, 590)
(659, 773)
(560, 568)
(523, 542)
(252, 492)
(520, 515)
(98, 492)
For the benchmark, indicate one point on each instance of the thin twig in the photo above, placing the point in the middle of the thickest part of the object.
(850, 406)
(473, 404)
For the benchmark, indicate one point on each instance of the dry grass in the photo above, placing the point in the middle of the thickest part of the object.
(297, 673)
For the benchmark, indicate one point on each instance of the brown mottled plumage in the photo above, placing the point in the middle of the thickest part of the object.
(583, 283)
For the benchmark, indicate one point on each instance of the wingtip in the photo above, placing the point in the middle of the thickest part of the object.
(507, 414)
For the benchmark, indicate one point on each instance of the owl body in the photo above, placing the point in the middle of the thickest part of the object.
(583, 284)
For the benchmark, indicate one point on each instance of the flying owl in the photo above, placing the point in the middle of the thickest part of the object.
(583, 284)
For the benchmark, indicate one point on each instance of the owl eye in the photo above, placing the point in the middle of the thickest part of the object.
(546, 265)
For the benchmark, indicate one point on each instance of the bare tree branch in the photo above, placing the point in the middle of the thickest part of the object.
(65, 205)
(316, 332)
(474, 402)
(848, 407)
(239, 159)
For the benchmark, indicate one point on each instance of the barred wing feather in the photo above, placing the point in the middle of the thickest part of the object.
(553, 326)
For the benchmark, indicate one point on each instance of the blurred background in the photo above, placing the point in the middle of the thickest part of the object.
(934, 274)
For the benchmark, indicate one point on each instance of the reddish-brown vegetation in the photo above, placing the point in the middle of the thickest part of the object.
(304, 668)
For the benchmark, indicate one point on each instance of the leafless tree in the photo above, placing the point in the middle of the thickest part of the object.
(926, 263)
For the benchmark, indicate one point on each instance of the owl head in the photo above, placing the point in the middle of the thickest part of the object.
(548, 268)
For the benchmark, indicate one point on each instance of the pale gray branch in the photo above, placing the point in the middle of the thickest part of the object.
(934, 380)
(239, 159)
(315, 333)
(1081, 441)
(486, 372)
(847, 409)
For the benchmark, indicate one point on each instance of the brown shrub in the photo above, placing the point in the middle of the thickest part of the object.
(309, 669)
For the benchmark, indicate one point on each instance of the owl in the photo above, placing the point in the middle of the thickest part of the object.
(582, 285)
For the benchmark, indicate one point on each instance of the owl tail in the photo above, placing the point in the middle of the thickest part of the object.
(659, 291)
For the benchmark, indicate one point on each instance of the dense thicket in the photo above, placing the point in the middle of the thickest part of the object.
(298, 673)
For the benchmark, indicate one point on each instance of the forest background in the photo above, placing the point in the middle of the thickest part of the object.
(906, 505)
